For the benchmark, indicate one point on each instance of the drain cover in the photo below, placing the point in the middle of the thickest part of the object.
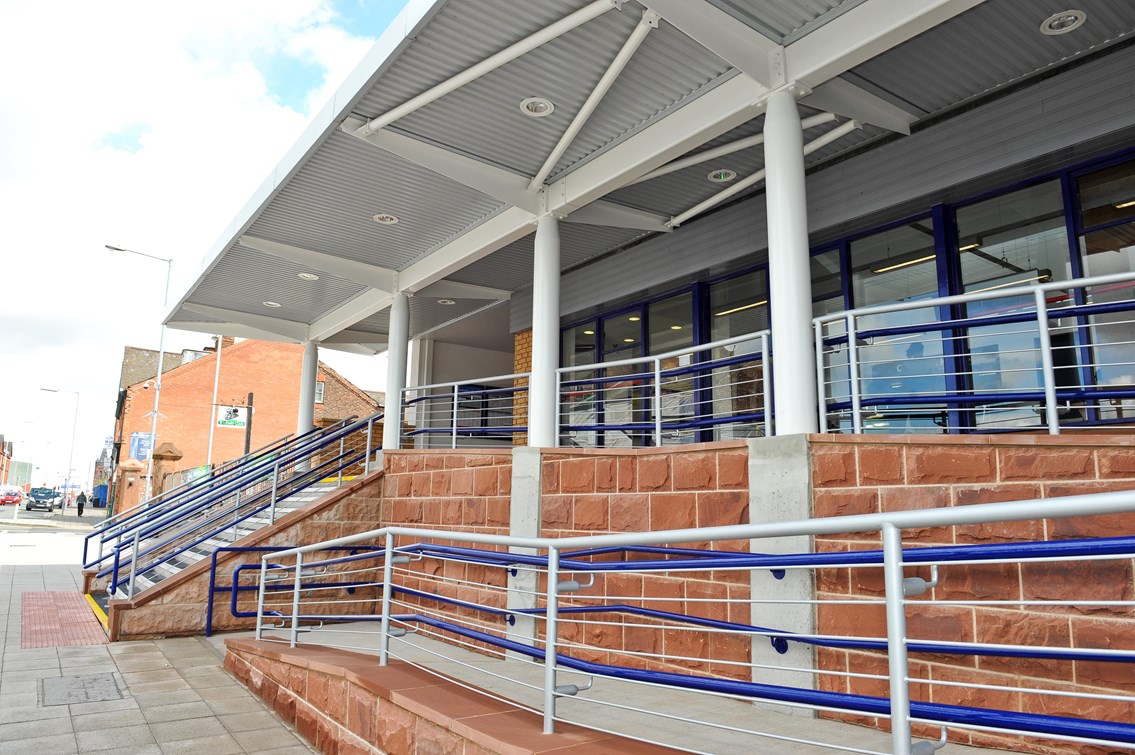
(70, 690)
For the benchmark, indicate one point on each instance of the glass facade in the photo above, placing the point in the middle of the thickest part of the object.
(1074, 223)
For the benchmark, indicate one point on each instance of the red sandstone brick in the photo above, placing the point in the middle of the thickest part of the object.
(578, 475)
(978, 582)
(1109, 580)
(606, 474)
(474, 512)
(557, 513)
(722, 508)
(833, 466)
(422, 482)
(461, 482)
(1046, 463)
(591, 512)
(913, 498)
(880, 465)
(497, 512)
(504, 480)
(733, 470)
(629, 513)
(867, 620)
(672, 511)
(1117, 462)
(549, 476)
(485, 481)
(950, 464)
(653, 472)
(626, 474)
(848, 502)
(694, 471)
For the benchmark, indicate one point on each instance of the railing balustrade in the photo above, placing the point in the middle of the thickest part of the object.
(905, 637)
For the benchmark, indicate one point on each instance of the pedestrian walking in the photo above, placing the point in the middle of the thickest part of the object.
(80, 502)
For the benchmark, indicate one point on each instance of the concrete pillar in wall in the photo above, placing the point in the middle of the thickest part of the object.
(524, 521)
(166, 457)
(305, 419)
(780, 489)
(789, 274)
(542, 420)
(397, 347)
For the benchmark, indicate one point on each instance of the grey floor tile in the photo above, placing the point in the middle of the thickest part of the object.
(215, 694)
(178, 712)
(122, 737)
(298, 749)
(10, 715)
(44, 727)
(235, 722)
(146, 688)
(221, 744)
(269, 739)
(247, 704)
(153, 749)
(149, 664)
(115, 719)
(105, 706)
(155, 699)
(212, 681)
(205, 669)
(56, 744)
(160, 675)
(29, 664)
(191, 728)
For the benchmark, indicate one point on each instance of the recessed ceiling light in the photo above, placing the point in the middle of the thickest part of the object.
(308, 277)
(634, 318)
(272, 304)
(537, 107)
(675, 327)
(967, 247)
(446, 302)
(589, 332)
(628, 340)
(385, 218)
(1063, 22)
(722, 175)
(1125, 205)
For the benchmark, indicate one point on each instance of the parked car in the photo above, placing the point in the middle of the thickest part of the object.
(43, 498)
(11, 495)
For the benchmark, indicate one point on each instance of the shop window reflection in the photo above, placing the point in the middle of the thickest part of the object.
(738, 306)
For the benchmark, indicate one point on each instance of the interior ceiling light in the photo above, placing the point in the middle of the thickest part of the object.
(1042, 276)
(628, 340)
(537, 107)
(1063, 22)
(967, 247)
(634, 318)
(1125, 205)
(385, 218)
(722, 175)
(589, 332)
(308, 277)
(446, 302)
(272, 304)
(760, 303)
(675, 327)
(899, 265)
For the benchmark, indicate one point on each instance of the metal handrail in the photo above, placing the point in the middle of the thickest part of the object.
(125, 521)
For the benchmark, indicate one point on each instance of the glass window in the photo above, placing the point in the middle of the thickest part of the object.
(738, 306)
(579, 345)
(827, 283)
(671, 323)
(1112, 250)
(622, 331)
(319, 393)
(894, 265)
(1107, 195)
(1014, 239)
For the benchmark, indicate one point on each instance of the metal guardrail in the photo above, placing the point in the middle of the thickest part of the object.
(1056, 356)
(226, 505)
(465, 413)
(632, 609)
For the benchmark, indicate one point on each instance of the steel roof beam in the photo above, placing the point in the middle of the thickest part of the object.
(230, 328)
(350, 336)
(648, 22)
(282, 329)
(853, 101)
(862, 33)
(444, 289)
(372, 276)
(348, 313)
(493, 62)
(602, 212)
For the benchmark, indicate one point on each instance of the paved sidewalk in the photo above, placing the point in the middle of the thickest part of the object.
(165, 696)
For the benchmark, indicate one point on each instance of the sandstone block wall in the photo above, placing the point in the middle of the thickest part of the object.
(865, 474)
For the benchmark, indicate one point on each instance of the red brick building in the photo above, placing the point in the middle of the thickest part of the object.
(269, 371)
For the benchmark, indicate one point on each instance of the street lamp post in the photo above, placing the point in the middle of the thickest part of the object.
(161, 357)
(74, 429)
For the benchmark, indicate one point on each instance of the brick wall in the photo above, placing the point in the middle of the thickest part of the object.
(521, 362)
(608, 490)
(865, 474)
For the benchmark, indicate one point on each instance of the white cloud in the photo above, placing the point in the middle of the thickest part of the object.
(182, 81)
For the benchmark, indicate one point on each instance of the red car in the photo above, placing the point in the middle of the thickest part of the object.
(11, 495)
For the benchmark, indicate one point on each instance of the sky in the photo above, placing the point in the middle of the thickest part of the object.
(143, 125)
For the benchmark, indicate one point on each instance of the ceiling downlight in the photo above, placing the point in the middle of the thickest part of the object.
(307, 276)
(722, 175)
(537, 107)
(1063, 22)
(272, 304)
(384, 218)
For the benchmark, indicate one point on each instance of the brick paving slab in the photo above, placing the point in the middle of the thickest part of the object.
(58, 619)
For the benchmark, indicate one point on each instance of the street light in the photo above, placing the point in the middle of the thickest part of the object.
(161, 357)
(74, 429)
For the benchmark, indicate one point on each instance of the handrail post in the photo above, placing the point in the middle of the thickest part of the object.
(453, 418)
(133, 563)
(236, 513)
(821, 390)
(275, 485)
(559, 406)
(550, 629)
(370, 445)
(387, 579)
(896, 640)
(766, 385)
(1051, 410)
(342, 450)
(657, 403)
(853, 377)
(260, 597)
(296, 600)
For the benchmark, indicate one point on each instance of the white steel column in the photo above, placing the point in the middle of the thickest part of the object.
(545, 333)
(306, 419)
(397, 346)
(790, 285)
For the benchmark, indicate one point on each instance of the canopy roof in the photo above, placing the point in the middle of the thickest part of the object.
(429, 130)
